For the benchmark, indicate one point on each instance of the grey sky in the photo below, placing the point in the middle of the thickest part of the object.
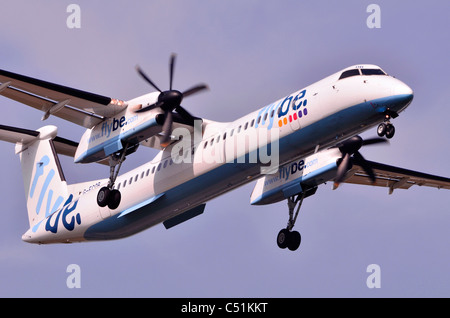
(251, 53)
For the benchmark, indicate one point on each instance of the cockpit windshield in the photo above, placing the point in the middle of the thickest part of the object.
(362, 71)
(349, 73)
(372, 71)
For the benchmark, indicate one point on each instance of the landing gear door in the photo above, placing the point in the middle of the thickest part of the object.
(105, 212)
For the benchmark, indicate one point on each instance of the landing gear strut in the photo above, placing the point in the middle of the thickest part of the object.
(108, 196)
(286, 237)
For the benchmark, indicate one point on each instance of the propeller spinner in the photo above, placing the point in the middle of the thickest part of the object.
(170, 101)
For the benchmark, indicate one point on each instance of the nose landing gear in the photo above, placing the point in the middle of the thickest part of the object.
(386, 128)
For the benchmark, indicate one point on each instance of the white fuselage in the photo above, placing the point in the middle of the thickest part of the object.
(227, 155)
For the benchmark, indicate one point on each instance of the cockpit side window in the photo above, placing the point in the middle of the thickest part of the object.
(372, 71)
(349, 73)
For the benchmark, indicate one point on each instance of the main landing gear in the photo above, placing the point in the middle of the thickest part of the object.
(108, 196)
(286, 237)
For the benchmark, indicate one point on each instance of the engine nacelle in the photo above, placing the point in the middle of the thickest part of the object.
(296, 177)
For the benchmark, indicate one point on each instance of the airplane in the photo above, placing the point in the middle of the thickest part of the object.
(289, 147)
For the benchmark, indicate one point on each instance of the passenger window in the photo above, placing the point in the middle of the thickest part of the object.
(131, 180)
(153, 169)
(125, 183)
(246, 125)
(136, 178)
(165, 163)
(252, 123)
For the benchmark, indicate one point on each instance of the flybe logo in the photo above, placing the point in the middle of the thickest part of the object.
(110, 126)
(297, 103)
(107, 128)
(40, 172)
(52, 218)
(63, 214)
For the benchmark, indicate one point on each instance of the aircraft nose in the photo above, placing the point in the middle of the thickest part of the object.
(402, 96)
(403, 89)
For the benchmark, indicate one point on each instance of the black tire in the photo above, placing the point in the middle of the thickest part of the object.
(381, 130)
(114, 199)
(283, 238)
(294, 241)
(390, 131)
(103, 196)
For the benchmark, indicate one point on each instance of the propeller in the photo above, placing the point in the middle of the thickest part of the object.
(351, 147)
(170, 101)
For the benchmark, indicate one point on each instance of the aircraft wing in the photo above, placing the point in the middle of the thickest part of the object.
(80, 107)
(395, 177)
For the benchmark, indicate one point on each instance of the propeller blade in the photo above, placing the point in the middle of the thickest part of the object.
(342, 170)
(147, 108)
(373, 141)
(184, 113)
(167, 128)
(195, 90)
(144, 76)
(172, 67)
(365, 165)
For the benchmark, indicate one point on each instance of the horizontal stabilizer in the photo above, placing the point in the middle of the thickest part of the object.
(25, 136)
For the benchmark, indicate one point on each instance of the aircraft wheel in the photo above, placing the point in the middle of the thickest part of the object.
(283, 238)
(294, 240)
(114, 199)
(103, 196)
(381, 130)
(390, 131)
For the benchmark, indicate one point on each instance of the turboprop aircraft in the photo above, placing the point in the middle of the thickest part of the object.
(289, 147)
